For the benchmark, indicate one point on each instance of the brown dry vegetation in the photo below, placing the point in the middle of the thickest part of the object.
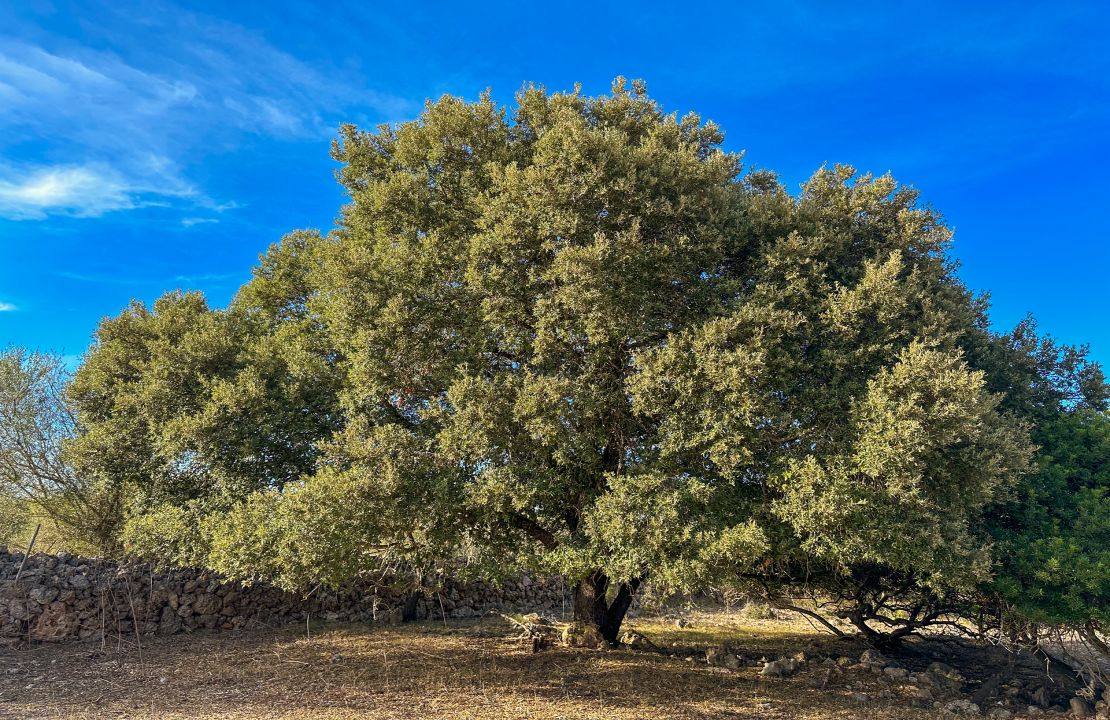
(425, 670)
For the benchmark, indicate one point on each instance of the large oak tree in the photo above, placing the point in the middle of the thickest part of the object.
(572, 337)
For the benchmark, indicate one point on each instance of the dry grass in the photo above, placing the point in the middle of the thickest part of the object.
(467, 670)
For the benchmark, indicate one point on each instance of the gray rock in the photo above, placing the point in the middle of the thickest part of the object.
(1079, 708)
(895, 673)
(169, 623)
(921, 693)
(780, 668)
(17, 610)
(43, 595)
(961, 707)
(207, 604)
(946, 672)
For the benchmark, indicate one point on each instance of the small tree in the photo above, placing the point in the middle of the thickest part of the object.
(36, 424)
(1052, 532)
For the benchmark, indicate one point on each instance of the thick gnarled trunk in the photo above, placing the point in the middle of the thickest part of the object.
(592, 606)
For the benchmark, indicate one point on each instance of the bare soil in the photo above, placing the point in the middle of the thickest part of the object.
(466, 669)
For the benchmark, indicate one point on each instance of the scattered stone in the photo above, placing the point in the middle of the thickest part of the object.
(722, 656)
(895, 673)
(921, 693)
(582, 635)
(1079, 708)
(820, 682)
(962, 706)
(946, 672)
(870, 657)
(633, 639)
(780, 668)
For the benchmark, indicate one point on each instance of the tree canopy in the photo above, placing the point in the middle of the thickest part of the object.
(574, 336)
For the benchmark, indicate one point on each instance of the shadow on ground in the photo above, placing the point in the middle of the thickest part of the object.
(426, 670)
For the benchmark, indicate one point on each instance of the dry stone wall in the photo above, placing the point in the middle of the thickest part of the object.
(64, 597)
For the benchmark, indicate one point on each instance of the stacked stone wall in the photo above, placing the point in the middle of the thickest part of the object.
(64, 598)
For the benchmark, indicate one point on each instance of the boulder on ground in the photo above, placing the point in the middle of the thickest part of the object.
(722, 656)
(784, 667)
(635, 640)
(582, 635)
(872, 657)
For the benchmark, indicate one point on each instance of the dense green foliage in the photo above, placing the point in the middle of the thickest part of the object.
(572, 336)
(1052, 533)
(181, 404)
(1055, 545)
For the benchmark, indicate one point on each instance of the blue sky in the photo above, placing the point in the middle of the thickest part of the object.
(151, 146)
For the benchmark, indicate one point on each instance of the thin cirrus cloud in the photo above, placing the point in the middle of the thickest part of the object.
(137, 121)
(7, 307)
(111, 278)
(79, 191)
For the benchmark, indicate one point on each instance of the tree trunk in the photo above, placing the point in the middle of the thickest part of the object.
(592, 608)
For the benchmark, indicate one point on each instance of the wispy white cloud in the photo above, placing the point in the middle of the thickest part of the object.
(191, 221)
(141, 115)
(7, 307)
(81, 191)
(215, 278)
(102, 278)
(160, 281)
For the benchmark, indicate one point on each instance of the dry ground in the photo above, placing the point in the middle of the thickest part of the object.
(424, 670)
